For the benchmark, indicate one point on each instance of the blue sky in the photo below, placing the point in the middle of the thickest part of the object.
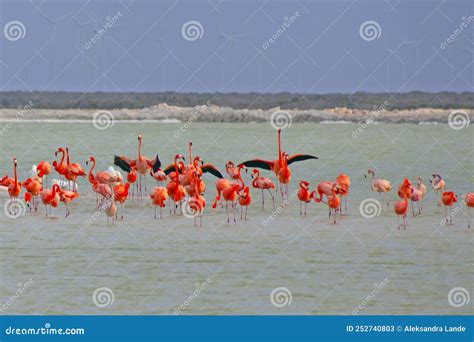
(322, 48)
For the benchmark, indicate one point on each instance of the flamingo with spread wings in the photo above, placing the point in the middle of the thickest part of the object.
(279, 166)
(142, 164)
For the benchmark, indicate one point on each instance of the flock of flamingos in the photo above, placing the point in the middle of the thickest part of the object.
(185, 187)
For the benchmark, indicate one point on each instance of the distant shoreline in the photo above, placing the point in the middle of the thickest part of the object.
(211, 113)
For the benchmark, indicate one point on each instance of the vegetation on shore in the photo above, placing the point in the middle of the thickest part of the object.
(359, 100)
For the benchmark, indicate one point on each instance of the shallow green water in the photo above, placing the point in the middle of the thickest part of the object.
(154, 266)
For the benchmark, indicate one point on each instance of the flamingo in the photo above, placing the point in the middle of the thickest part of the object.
(111, 211)
(244, 200)
(67, 196)
(121, 194)
(469, 201)
(105, 177)
(344, 182)
(104, 190)
(14, 189)
(198, 202)
(448, 198)
(142, 164)
(438, 184)
(416, 196)
(326, 188)
(158, 198)
(223, 183)
(132, 179)
(73, 171)
(304, 195)
(50, 198)
(401, 208)
(43, 169)
(33, 186)
(263, 183)
(232, 170)
(334, 201)
(60, 166)
(230, 194)
(380, 185)
(159, 175)
(277, 164)
(175, 190)
(422, 188)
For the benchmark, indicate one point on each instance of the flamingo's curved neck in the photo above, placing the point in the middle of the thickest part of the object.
(176, 169)
(254, 182)
(140, 149)
(91, 174)
(279, 145)
(62, 156)
(68, 160)
(15, 174)
(240, 177)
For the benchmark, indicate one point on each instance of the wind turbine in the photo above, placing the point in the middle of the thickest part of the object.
(81, 48)
(390, 54)
(232, 37)
(414, 46)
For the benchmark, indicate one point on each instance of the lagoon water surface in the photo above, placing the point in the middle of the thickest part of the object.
(360, 265)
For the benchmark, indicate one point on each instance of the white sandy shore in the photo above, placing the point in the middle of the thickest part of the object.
(163, 112)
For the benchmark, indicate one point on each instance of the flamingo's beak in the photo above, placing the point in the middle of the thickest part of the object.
(365, 176)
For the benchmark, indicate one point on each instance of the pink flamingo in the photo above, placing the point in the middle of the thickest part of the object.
(380, 185)
(263, 183)
(438, 184)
